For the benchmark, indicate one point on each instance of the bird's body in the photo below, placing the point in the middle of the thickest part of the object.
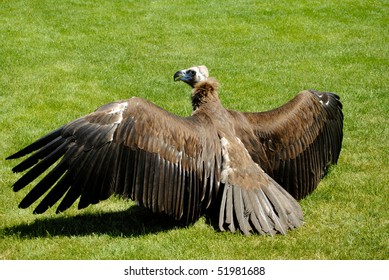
(247, 167)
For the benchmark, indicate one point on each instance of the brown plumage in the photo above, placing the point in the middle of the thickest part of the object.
(219, 160)
(295, 143)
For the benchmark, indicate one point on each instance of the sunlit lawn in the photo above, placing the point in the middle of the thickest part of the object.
(62, 59)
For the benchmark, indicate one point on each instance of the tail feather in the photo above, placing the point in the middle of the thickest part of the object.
(242, 208)
(266, 225)
(265, 210)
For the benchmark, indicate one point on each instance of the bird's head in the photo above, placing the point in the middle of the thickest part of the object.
(192, 75)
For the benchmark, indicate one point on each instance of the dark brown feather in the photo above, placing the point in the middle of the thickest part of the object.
(123, 148)
(296, 142)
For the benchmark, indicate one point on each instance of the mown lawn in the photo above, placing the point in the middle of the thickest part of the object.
(62, 59)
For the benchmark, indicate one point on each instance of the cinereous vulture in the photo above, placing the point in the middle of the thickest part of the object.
(248, 169)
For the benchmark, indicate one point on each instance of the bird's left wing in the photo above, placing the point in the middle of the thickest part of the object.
(296, 142)
(131, 148)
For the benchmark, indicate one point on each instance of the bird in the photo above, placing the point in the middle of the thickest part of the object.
(247, 170)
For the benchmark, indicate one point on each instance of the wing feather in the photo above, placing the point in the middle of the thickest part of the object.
(43, 186)
(161, 186)
(280, 140)
(38, 144)
(41, 166)
(153, 199)
(131, 148)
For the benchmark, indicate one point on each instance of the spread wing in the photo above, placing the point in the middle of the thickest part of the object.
(130, 148)
(297, 142)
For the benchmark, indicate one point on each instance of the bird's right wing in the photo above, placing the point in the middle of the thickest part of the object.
(131, 148)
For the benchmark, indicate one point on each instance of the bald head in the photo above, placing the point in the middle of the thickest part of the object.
(192, 75)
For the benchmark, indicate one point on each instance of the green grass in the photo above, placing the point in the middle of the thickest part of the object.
(62, 59)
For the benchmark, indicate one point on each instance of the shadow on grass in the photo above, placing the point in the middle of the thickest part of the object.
(134, 221)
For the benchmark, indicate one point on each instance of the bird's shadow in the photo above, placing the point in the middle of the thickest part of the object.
(134, 221)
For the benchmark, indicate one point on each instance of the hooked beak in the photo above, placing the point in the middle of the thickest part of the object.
(179, 76)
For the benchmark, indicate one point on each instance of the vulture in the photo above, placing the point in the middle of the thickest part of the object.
(246, 170)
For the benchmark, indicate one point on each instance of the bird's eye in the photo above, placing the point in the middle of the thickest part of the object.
(192, 72)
